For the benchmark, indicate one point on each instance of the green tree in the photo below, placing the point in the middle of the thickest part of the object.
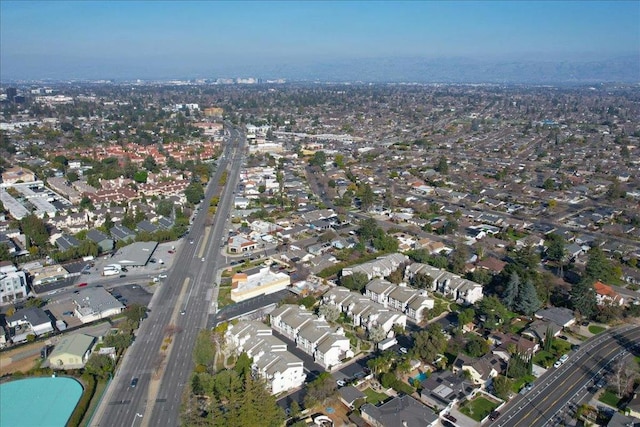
(476, 346)
(150, 164)
(442, 166)
(140, 176)
(356, 281)
(429, 343)
(72, 176)
(319, 159)
(422, 281)
(528, 301)
(99, 365)
(599, 267)
(583, 297)
(194, 193)
(510, 294)
(502, 386)
(366, 195)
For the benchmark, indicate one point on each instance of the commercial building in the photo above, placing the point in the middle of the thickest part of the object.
(72, 352)
(135, 255)
(13, 284)
(264, 282)
(94, 304)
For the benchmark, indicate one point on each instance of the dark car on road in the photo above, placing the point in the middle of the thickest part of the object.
(134, 381)
(494, 415)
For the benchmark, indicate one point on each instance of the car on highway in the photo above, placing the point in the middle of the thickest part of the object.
(171, 252)
(183, 312)
(134, 381)
(202, 259)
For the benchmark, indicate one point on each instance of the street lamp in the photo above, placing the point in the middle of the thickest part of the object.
(134, 418)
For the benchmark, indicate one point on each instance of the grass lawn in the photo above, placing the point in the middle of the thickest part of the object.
(609, 398)
(517, 326)
(478, 408)
(544, 358)
(595, 329)
(224, 296)
(560, 347)
(374, 397)
(517, 384)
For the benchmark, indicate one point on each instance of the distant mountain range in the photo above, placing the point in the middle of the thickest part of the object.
(464, 70)
(521, 70)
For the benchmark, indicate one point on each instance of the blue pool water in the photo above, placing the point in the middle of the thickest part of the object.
(420, 377)
(38, 402)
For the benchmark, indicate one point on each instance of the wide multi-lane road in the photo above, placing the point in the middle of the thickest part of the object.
(161, 357)
(569, 383)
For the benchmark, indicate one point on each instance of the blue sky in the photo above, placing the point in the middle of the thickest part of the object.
(40, 36)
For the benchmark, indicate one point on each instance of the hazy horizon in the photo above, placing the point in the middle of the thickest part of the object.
(370, 41)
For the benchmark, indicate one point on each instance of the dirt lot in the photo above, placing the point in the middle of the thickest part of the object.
(20, 359)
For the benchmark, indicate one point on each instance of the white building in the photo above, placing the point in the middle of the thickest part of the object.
(264, 282)
(448, 284)
(94, 304)
(271, 361)
(13, 284)
(328, 345)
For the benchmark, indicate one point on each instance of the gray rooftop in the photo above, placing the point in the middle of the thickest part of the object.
(136, 254)
(400, 411)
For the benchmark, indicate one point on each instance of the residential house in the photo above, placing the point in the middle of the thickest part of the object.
(481, 369)
(605, 295)
(380, 267)
(400, 411)
(66, 242)
(508, 344)
(348, 395)
(448, 284)
(281, 370)
(414, 303)
(72, 352)
(28, 321)
(146, 226)
(328, 345)
(121, 233)
(561, 316)
(444, 388)
(104, 242)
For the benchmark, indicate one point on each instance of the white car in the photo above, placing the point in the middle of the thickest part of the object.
(403, 350)
(162, 276)
(557, 364)
(341, 383)
(202, 259)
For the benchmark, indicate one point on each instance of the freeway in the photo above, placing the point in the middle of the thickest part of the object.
(148, 386)
(565, 386)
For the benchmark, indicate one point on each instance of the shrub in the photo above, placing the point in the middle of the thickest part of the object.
(83, 404)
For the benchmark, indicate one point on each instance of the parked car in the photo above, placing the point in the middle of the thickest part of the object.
(123, 275)
(82, 285)
(494, 415)
(68, 313)
(450, 418)
(403, 350)
(341, 383)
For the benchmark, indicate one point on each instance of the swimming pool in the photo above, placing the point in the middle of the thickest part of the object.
(38, 402)
(420, 377)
